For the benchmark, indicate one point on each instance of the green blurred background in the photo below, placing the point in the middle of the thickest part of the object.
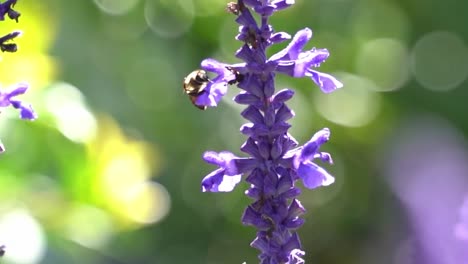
(111, 170)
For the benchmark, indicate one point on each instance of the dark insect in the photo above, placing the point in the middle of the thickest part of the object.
(239, 77)
(195, 84)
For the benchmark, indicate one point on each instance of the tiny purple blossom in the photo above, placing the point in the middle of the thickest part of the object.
(229, 173)
(296, 63)
(274, 162)
(312, 175)
(7, 99)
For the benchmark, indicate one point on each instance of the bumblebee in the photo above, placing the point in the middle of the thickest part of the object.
(194, 85)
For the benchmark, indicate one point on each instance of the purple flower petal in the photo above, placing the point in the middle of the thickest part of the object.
(212, 95)
(217, 87)
(293, 243)
(295, 256)
(324, 156)
(217, 181)
(292, 51)
(261, 244)
(326, 82)
(279, 37)
(314, 176)
(246, 99)
(18, 89)
(312, 146)
(252, 114)
(213, 65)
(26, 110)
(295, 209)
(7, 99)
(11, 92)
(300, 66)
(283, 96)
(294, 62)
(225, 160)
(281, 4)
(284, 114)
(252, 217)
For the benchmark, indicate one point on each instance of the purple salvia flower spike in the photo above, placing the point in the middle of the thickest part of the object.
(8, 96)
(275, 163)
(6, 8)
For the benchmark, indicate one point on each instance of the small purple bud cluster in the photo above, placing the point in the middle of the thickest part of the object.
(275, 161)
(6, 8)
(7, 97)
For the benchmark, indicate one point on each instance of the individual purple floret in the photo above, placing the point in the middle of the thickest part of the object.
(7, 98)
(274, 162)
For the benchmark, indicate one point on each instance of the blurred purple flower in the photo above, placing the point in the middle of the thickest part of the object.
(311, 174)
(275, 162)
(6, 8)
(7, 98)
(461, 229)
(430, 192)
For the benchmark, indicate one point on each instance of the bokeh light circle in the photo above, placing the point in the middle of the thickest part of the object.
(354, 105)
(147, 202)
(209, 7)
(78, 229)
(440, 61)
(23, 237)
(169, 18)
(72, 116)
(115, 7)
(128, 27)
(150, 202)
(385, 62)
(374, 19)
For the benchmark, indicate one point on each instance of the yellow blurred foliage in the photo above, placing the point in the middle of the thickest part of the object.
(31, 63)
(123, 168)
